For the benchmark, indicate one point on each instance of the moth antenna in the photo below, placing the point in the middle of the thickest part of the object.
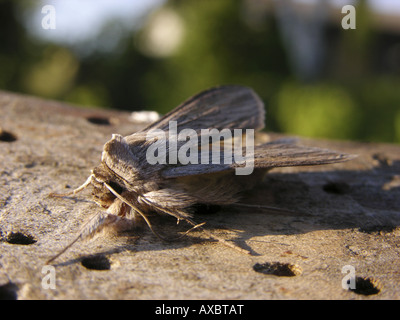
(269, 208)
(90, 227)
(75, 191)
(63, 250)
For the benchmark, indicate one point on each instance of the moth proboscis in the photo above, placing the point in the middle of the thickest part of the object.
(130, 182)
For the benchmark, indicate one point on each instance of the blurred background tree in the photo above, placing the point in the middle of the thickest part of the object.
(315, 78)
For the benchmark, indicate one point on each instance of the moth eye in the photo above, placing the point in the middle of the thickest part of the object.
(116, 187)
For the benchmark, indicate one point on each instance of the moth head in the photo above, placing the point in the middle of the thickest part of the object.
(101, 176)
(116, 174)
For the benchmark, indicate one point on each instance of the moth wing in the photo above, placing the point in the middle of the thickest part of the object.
(268, 155)
(224, 107)
(271, 155)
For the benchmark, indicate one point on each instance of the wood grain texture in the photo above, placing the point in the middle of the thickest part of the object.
(345, 214)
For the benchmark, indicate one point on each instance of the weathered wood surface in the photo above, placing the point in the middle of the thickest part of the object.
(347, 214)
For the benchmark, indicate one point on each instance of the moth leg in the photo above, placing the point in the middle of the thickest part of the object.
(213, 236)
(123, 199)
(75, 191)
(171, 201)
(94, 225)
(136, 210)
(180, 214)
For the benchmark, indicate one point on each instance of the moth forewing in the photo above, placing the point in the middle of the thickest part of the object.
(225, 107)
(161, 169)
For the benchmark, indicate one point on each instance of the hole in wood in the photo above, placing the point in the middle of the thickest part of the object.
(98, 262)
(367, 286)
(102, 121)
(20, 238)
(6, 136)
(278, 269)
(336, 187)
(8, 291)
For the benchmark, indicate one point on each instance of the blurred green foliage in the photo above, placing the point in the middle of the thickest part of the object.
(323, 110)
(217, 42)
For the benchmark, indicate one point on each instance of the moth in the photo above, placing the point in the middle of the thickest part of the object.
(130, 182)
